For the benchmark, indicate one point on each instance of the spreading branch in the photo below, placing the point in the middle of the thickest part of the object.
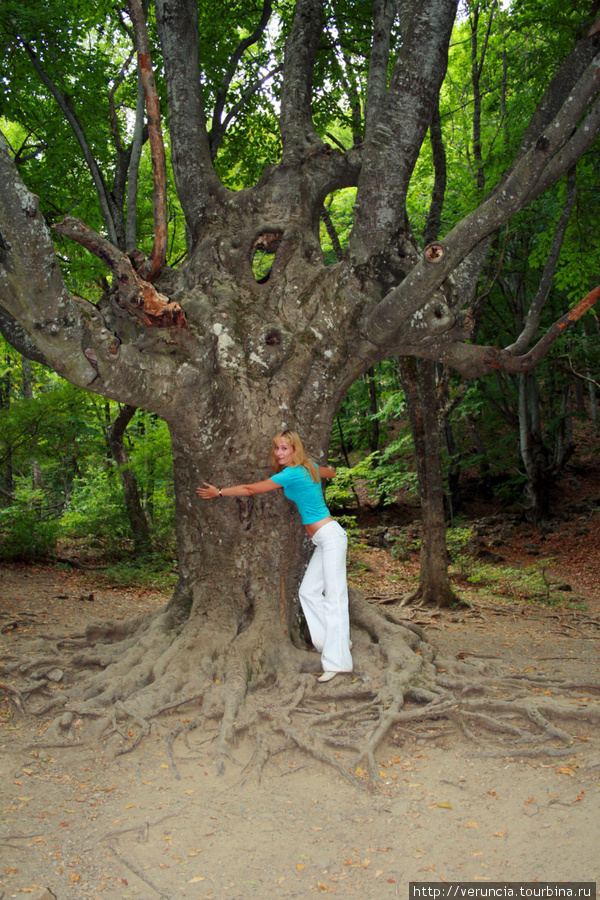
(384, 13)
(64, 103)
(298, 134)
(197, 183)
(506, 200)
(475, 361)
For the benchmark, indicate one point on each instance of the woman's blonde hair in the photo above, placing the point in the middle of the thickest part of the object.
(299, 458)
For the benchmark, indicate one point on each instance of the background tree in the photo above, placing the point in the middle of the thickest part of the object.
(226, 359)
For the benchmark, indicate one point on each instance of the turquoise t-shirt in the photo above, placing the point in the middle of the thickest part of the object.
(307, 494)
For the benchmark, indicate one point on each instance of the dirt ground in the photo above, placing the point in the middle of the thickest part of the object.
(84, 824)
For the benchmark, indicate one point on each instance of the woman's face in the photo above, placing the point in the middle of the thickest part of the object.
(284, 451)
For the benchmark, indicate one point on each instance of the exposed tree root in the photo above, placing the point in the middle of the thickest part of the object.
(257, 684)
(15, 697)
(137, 871)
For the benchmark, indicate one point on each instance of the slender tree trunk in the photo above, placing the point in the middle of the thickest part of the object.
(565, 443)
(5, 394)
(134, 168)
(453, 471)
(36, 470)
(418, 382)
(139, 524)
(590, 381)
(373, 409)
(533, 450)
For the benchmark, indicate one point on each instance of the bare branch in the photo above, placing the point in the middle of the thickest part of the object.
(473, 361)
(438, 152)
(557, 92)
(573, 150)
(70, 115)
(218, 130)
(532, 319)
(158, 255)
(134, 294)
(137, 143)
(348, 80)
(476, 70)
(216, 127)
(509, 197)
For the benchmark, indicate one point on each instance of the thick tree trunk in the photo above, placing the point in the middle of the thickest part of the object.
(233, 623)
(240, 559)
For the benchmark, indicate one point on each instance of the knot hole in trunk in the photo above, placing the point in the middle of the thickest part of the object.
(263, 253)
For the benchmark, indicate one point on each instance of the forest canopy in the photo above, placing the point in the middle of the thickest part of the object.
(70, 108)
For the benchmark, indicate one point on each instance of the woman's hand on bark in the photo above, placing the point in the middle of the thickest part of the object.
(208, 492)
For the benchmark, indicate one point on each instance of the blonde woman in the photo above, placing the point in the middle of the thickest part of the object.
(324, 590)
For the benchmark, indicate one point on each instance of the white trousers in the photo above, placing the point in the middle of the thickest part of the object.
(324, 598)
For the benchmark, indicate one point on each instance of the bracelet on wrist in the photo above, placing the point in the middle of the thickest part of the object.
(220, 492)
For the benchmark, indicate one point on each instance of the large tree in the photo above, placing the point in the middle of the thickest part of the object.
(227, 359)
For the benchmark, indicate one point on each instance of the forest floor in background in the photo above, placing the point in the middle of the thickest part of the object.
(86, 825)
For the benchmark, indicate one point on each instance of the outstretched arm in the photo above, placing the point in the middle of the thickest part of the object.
(326, 472)
(210, 492)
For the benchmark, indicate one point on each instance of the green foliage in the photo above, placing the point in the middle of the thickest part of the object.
(96, 512)
(395, 473)
(26, 529)
(341, 491)
(57, 478)
(156, 574)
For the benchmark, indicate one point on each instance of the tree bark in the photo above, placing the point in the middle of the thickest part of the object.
(418, 382)
(298, 134)
(158, 256)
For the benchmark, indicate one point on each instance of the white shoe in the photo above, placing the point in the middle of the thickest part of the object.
(327, 676)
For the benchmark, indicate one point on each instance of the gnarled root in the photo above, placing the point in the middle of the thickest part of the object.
(256, 683)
